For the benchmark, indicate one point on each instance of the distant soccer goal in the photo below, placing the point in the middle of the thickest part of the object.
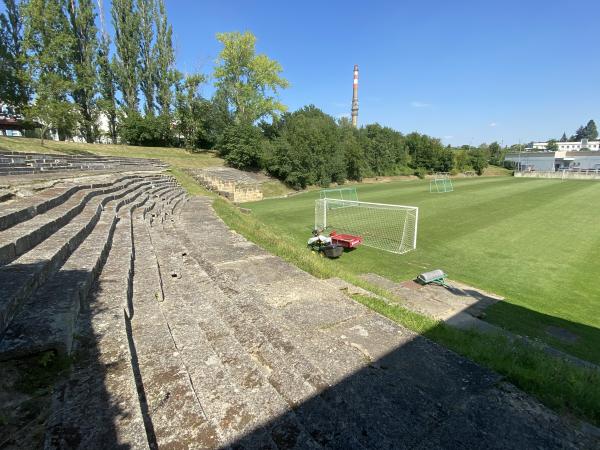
(392, 228)
(441, 183)
(345, 193)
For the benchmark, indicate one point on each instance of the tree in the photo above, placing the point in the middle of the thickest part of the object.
(552, 146)
(589, 132)
(14, 87)
(563, 138)
(307, 150)
(145, 12)
(496, 154)
(165, 74)
(151, 131)
(241, 146)
(85, 39)
(249, 82)
(49, 43)
(188, 109)
(356, 165)
(107, 87)
(126, 23)
(384, 149)
(478, 159)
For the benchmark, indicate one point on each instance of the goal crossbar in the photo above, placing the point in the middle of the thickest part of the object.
(392, 228)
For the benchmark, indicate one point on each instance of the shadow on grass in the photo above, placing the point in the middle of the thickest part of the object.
(580, 340)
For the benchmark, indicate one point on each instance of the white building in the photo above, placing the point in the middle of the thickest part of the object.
(569, 146)
(544, 161)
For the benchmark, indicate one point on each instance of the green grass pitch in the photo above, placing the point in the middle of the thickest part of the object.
(535, 242)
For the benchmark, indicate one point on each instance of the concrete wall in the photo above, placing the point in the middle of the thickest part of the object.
(538, 161)
(566, 175)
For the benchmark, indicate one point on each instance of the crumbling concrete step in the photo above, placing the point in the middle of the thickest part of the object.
(177, 417)
(22, 276)
(18, 240)
(27, 208)
(321, 414)
(98, 406)
(47, 318)
(230, 384)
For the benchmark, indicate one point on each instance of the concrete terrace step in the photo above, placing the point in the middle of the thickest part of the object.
(100, 405)
(47, 318)
(18, 240)
(259, 326)
(25, 274)
(27, 208)
(177, 416)
(236, 390)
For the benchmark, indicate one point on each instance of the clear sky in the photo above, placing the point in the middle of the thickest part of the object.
(464, 71)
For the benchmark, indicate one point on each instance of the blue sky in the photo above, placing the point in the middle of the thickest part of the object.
(464, 71)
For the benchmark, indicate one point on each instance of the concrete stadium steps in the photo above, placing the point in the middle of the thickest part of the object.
(47, 317)
(14, 163)
(21, 277)
(234, 390)
(18, 240)
(27, 208)
(100, 405)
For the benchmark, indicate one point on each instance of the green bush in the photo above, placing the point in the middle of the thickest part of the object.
(149, 131)
(420, 172)
(242, 146)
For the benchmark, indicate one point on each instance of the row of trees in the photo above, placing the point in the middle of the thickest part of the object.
(65, 73)
(309, 147)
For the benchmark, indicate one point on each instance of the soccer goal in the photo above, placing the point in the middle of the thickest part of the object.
(392, 228)
(441, 183)
(346, 193)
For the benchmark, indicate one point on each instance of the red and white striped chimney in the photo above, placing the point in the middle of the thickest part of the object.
(355, 97)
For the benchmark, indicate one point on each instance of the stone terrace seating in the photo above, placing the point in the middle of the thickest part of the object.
(234, 184)
(15, 163)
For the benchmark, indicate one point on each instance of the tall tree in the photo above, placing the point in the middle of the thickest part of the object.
(249, 82)
(145, 11)
(589, 132)
(14, 86)
(85, 38)
(49, 42)
(127, 44)
(564, 137)
(496, 156)
(188, 109)
(165, 75)
(107, 87)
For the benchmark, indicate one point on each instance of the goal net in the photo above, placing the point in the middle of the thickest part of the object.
(392, 228)
(441, 183)
(347, 193)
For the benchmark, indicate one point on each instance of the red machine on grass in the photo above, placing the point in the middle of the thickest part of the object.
(345, 240)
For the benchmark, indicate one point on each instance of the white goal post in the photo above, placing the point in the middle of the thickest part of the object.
(441, 183)
(392, 228)
(345, 193)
